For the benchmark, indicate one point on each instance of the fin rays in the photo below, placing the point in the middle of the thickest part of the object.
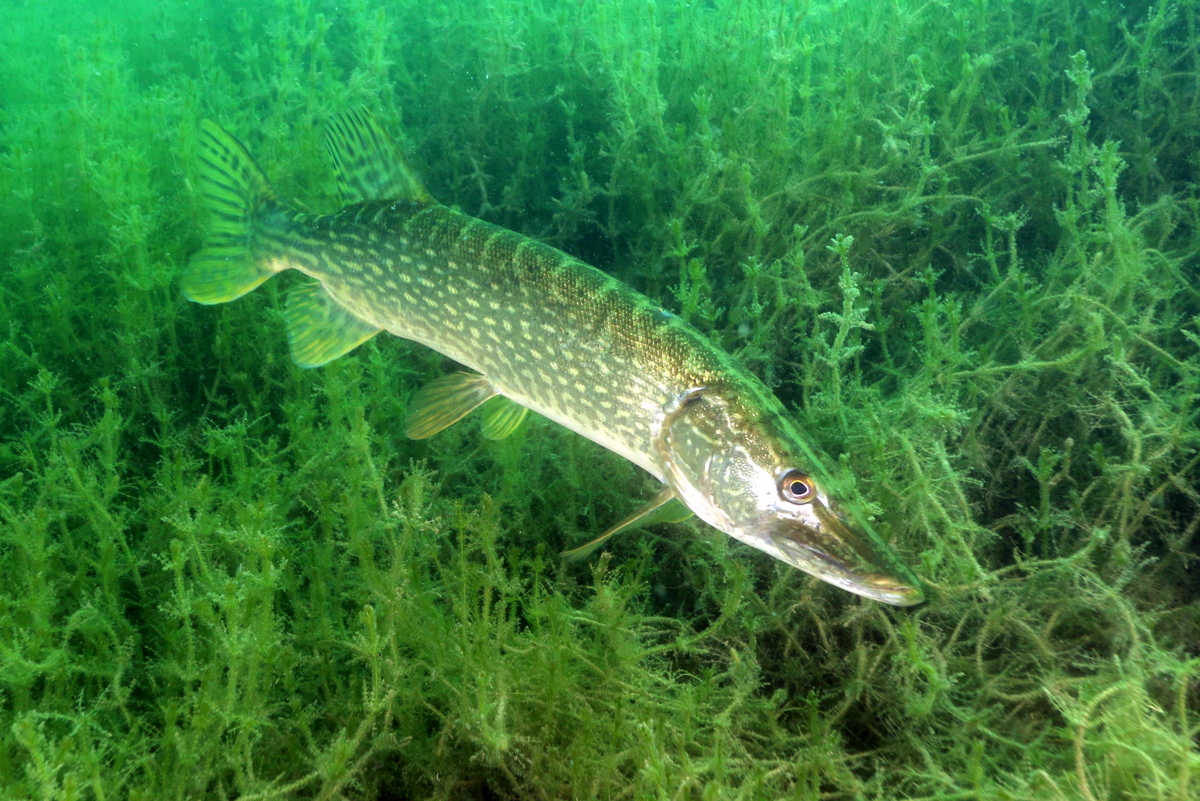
(369, 165)
(368, 162)
(502, 418)
(444, 401)
(320, 329)
(664, 507)
(234, 189)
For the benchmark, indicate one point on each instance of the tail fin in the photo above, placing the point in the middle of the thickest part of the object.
(235, 190)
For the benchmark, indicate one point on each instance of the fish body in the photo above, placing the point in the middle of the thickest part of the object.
(539, 328)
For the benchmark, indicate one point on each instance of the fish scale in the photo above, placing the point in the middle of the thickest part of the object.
(542, 330)
(551, 332)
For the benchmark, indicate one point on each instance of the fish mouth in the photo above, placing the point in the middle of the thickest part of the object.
(854, 561)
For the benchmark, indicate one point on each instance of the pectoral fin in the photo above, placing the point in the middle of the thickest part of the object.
(444, 401)
(662, 508)
(319, 329)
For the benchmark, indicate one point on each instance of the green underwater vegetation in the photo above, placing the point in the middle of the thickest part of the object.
(961, 241)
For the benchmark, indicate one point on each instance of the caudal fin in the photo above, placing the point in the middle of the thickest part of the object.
(236, 191)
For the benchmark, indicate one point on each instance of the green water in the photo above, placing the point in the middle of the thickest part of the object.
(959, 239)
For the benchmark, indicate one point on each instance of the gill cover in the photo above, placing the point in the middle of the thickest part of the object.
(727, 462)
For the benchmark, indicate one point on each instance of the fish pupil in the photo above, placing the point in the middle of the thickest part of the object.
(796, 488)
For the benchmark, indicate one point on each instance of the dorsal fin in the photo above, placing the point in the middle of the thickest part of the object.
(368, 163)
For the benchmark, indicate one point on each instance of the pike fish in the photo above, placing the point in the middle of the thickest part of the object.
(537, 329)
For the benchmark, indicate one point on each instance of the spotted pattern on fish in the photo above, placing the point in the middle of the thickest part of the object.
(549, 331)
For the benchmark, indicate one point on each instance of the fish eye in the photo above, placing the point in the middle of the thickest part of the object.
(796, 487)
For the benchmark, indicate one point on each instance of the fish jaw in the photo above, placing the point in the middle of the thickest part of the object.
(732, 467)
(817, 539)
(823, 545)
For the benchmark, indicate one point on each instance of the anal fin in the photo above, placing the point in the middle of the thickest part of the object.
(320, 329)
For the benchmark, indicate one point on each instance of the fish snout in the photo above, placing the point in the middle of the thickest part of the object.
(824, 545)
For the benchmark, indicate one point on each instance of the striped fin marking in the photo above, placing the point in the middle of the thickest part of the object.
(319, 329)
(368, 163)
(234, 189)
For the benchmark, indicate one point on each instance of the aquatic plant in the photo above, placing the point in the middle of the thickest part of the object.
(958, 239)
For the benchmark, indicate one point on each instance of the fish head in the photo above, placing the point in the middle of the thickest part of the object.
(745, 469)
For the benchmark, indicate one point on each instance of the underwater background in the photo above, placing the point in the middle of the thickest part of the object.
(961, 241)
